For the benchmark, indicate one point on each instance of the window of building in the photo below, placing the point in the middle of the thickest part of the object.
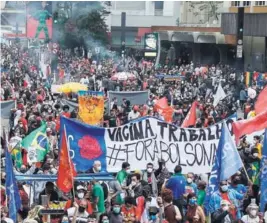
(260, 3)
(235, 3)
(159, 5)
(159, 8)
(246, 3)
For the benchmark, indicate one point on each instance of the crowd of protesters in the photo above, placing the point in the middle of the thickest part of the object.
(151, 195)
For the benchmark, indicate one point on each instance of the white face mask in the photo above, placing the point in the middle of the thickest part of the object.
(80, 195)
(98, 168)
(225, 208)
(189, 180)
(149, 170)
(133, 183)
(128, 171)
(255, 154)
(253, 212)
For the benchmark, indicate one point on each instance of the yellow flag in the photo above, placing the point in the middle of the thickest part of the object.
(91, 109)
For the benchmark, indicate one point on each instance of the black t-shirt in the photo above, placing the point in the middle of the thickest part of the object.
(53, 196)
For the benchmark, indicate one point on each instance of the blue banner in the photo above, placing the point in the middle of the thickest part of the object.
(227, 162)
(85, 146)
(12, 191)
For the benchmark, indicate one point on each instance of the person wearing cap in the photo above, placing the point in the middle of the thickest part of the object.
(134, 114)
(224, 193)
(80, 194)
(252, 213)
(223, 214)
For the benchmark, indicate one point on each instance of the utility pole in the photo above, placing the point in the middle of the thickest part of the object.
(123, 24)
(239, 40)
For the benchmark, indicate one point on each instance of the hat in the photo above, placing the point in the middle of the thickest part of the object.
(253, 204)
(80, 187)
(135, 108)
(225, 202)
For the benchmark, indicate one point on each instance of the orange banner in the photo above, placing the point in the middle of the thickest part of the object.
(91, 109)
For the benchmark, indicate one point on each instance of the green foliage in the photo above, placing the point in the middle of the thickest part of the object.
(87, 22)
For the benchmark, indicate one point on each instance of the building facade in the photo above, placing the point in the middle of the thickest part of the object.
(140, 17)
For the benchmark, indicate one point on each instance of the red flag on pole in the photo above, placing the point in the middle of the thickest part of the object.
(248, 126)
(191, 116)
(66, 171)
(162, 107)
(261, 103)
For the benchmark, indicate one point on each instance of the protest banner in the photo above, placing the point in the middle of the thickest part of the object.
(135, 97)
(6, 106)
(91, 107)
(143, 141)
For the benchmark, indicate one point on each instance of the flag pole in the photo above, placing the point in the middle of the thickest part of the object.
(69, 162)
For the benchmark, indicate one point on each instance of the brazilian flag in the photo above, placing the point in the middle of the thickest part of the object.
(37, 140)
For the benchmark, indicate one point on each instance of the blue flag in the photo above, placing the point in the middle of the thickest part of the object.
(227, 162)
(264, 174)
(86, 144)
(12, 191)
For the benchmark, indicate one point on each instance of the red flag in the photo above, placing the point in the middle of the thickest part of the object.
(248, 126)
(162, 107)
(191, 116)
(162, 103)
(261, 103)
(66, 170)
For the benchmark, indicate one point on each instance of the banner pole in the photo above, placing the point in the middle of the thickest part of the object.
(70, 163)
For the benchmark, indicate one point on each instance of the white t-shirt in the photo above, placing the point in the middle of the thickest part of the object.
(133, 115)
(247, 219)
(84, 81)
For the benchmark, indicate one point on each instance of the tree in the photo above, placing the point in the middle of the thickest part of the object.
(86, 25)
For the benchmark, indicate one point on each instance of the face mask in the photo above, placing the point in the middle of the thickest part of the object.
(128, 171)
(253, 212)
(80, 195)
(81, 209)
(116, 210)
(189, 180)
(224, 188)
(255, 155)
(105, 221)
(192, 202)
(133, 183)
(21, 125)
(49, 111)
(149, 170)
(23, 170)
(153, 217)
(98, 168)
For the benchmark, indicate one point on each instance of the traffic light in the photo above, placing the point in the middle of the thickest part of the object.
(55, 17)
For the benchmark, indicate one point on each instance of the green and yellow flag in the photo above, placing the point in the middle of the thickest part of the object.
(36, 143)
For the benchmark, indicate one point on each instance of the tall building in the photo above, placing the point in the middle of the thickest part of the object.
(255, 30)
(13, 19)
(140, 17)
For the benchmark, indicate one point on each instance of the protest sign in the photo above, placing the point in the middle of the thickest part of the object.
(141, 142)
(32, 155)
(91, 107)
(135, 97)
(6, 106)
